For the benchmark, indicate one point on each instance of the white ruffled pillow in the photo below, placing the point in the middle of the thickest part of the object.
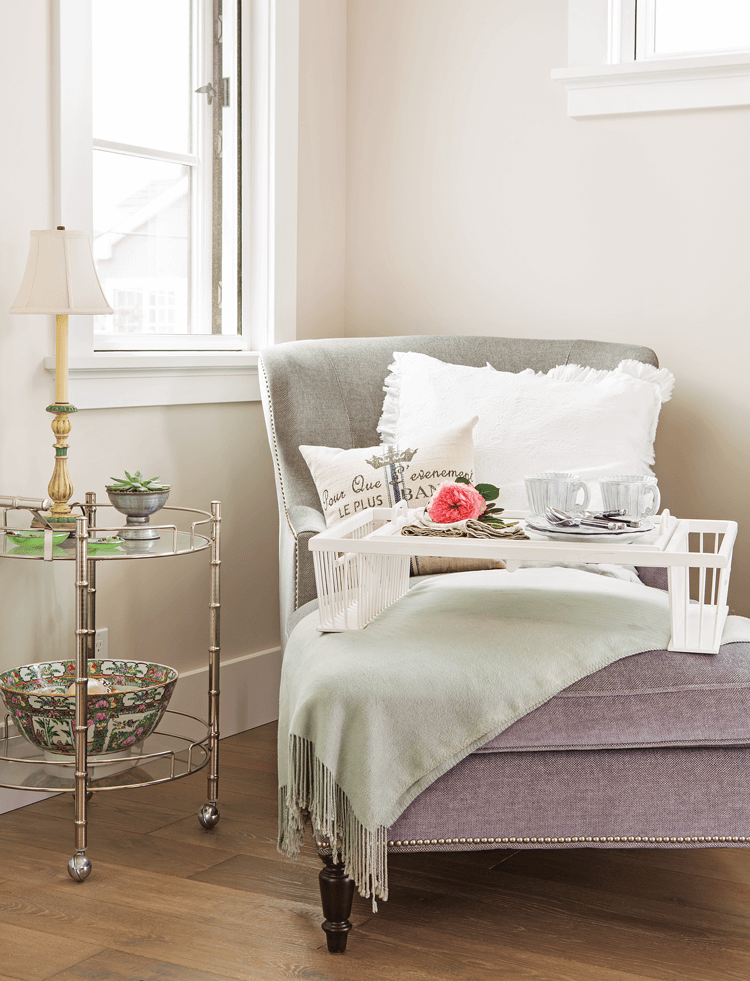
(572, 418)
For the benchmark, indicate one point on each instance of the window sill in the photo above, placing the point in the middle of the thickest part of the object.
(657, 86)
(106, 381)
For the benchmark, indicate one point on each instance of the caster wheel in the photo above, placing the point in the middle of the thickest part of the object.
(79, 867)
(208, 816)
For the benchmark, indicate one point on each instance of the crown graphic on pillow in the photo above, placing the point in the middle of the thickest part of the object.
(391, 456)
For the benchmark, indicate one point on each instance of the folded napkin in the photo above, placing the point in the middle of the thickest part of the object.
(468, 529)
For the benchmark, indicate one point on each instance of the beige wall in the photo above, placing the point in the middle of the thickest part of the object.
(476, 206)
(321, 202)
(157, 609)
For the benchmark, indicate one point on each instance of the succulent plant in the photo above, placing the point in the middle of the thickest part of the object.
(136, 482)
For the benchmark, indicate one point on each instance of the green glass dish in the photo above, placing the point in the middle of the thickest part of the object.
(34, 537)
(102, 544)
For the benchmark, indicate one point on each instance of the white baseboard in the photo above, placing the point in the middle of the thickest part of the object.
(249, 689)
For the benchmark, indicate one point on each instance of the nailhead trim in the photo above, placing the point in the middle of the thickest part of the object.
(277, 462)
(651, 839)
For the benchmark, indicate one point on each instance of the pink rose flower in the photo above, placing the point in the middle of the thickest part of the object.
(129, 741)
(455, 502)
(100, 716)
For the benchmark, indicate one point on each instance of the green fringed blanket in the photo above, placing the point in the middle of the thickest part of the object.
(368, 719)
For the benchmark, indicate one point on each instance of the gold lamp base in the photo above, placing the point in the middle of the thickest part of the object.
(60, 487)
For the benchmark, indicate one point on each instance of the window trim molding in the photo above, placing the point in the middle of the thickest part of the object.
(127, 379)
(270, 137)
(603, 79)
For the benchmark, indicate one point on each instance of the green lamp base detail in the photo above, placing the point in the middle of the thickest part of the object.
(63, 522)
(61, 407)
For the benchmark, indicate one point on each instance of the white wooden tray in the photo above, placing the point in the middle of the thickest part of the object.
(362, 566)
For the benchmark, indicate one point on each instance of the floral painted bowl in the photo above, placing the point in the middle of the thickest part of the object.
(132, 699)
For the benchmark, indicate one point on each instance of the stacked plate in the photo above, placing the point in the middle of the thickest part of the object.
(585, 533)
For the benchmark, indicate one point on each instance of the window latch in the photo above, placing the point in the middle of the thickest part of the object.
(208, 90)
(210, 93)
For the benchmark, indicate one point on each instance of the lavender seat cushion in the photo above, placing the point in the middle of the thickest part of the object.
(649, 752)
(649, 700)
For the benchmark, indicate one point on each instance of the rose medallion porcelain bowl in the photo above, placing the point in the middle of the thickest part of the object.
(128, 702)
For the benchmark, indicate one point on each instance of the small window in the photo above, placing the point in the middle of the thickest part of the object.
(684, 28)
(166, 173)
(656, 55)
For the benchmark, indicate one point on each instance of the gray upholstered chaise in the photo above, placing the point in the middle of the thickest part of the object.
(649, 752)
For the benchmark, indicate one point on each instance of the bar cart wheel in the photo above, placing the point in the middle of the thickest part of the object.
(79, 867)
(208, 815)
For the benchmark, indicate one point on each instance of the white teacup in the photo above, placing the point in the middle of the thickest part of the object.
(638, 496)
(555, 490)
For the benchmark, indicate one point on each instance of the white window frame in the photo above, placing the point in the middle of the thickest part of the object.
(603, 77)
(270, 46)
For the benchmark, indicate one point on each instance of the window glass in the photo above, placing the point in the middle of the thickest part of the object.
(142, 243)
(142, 93)
(167, 159)
(700, 26)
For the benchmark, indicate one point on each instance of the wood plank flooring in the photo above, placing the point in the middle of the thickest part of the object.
(169, 901)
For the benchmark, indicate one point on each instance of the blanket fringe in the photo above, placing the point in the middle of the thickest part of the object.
(313, 792)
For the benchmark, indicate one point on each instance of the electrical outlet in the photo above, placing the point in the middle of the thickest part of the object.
(101, 640)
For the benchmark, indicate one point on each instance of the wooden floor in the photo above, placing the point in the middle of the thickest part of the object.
(168, 901)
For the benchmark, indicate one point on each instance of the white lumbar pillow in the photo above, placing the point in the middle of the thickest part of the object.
(349, 481)
(572, 418)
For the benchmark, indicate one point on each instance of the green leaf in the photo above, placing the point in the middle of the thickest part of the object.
(462, 480)
(488, 491)
(496, 522)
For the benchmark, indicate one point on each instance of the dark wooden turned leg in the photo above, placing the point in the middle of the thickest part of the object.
(336, 893)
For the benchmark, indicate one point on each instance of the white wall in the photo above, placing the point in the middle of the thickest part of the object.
(156, 609)
(475, 205)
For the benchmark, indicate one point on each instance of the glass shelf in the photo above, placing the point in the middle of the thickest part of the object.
(163, 757)
(171, 541)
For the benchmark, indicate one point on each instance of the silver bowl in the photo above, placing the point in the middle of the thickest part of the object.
(138, 506)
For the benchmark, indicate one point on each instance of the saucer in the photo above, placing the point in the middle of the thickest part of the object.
(585, 533)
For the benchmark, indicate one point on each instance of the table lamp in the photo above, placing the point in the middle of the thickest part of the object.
(60, 278)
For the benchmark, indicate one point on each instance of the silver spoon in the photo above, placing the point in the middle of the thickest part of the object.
(569, 520)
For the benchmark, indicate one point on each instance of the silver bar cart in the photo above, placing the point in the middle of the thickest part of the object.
(163, 756)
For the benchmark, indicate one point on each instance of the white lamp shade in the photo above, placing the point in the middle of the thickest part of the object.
(60, 276)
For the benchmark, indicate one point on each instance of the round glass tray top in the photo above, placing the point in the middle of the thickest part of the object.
(164, 756)
(168, 543)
